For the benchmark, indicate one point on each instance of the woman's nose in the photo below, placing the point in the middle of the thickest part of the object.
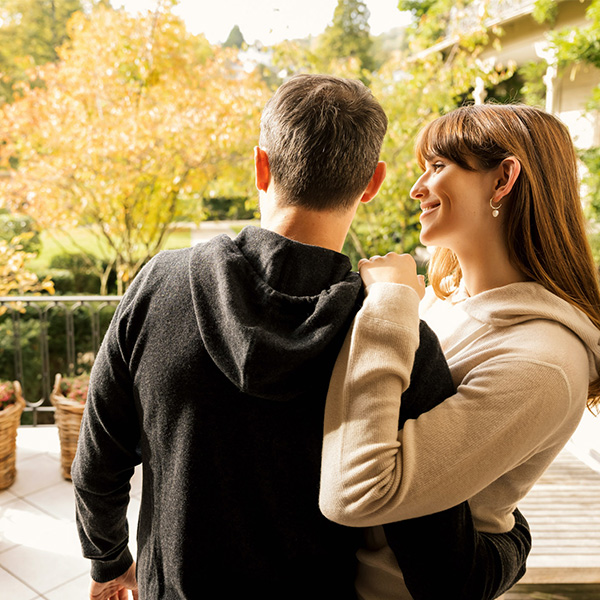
(418, 189)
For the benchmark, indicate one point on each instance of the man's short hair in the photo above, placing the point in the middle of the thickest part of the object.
(323, 136)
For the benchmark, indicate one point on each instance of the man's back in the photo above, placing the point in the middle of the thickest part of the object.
(228, 350)
(215, 369)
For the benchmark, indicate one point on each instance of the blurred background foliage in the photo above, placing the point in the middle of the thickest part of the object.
(119, 129)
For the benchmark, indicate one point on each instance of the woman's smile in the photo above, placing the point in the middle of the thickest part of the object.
(428, 207)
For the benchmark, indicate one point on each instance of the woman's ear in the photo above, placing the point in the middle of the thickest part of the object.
(508, 172)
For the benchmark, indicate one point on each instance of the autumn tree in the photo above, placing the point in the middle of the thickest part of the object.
(137, 120)
(12, 225)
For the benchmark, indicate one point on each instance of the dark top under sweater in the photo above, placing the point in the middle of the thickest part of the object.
(214, 374)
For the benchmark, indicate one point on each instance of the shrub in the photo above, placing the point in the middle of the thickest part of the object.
(83, 269)
(13, 225)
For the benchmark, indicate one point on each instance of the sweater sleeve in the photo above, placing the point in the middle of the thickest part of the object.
(106, 456)
(373, 474)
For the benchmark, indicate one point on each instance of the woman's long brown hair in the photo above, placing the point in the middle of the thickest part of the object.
(545, 226)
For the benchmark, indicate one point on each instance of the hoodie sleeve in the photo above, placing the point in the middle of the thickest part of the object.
(374, 474)
(107, 453)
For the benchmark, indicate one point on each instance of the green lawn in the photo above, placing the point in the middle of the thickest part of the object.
(58, 242)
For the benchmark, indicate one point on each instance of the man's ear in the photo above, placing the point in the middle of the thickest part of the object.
(262, 171)
(507, 175)
(375, 183)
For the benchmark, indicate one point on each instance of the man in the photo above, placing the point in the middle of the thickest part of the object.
(214, 373)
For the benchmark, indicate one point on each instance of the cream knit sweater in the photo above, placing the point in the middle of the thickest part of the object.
(521, 359)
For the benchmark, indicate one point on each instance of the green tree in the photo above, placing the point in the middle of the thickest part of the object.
(348, 35)
(418, 8)
(576, 44)
(431, 20)
(235, 39)
(533, 88)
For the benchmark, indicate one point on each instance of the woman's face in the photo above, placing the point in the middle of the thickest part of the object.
(455, 205)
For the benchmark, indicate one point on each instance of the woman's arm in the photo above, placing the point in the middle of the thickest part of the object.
(504, 410)
(471, 565)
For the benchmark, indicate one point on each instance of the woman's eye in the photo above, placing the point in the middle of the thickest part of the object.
(437, 167)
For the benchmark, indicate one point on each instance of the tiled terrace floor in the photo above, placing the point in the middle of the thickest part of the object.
(40, 556)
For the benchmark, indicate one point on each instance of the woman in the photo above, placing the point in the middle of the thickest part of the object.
(515, 302)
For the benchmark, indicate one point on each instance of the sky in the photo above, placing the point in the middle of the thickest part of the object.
(269, 21)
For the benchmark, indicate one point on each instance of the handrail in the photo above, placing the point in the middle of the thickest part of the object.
(41, 347)
(49, 298)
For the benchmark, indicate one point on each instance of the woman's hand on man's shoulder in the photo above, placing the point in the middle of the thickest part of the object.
(392, 268)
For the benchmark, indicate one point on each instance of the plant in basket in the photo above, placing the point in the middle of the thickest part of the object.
(68, 397)
(11, 408)
(8, 395)
(75, 388)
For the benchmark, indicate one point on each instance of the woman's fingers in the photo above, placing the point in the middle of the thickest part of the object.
(392, 268)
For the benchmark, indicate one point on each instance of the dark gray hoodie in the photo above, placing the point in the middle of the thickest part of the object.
(214, 374)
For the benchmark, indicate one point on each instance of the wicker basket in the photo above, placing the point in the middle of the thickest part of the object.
(10, 418)
(68, 419)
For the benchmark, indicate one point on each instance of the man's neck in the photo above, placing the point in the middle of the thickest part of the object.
(317, 228)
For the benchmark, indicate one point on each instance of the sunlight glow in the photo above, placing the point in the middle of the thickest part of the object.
(269, 21)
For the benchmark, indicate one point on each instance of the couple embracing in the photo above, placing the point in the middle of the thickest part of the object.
(310, 432)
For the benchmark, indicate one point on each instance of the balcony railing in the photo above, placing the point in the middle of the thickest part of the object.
(470, 17)
(44, 335)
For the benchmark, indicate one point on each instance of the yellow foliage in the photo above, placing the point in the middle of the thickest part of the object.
(137, 116)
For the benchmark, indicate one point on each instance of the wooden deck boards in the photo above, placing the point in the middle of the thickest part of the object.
(563, 511)
(553, 592)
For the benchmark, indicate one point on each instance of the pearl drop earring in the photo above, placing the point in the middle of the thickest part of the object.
(495, 209)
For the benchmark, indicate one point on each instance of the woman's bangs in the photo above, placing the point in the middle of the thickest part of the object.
(444, 138)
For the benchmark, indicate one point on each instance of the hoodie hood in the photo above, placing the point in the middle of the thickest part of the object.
(269, 309)
(520, 302)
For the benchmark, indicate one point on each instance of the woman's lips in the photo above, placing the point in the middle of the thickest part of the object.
(427, 209)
